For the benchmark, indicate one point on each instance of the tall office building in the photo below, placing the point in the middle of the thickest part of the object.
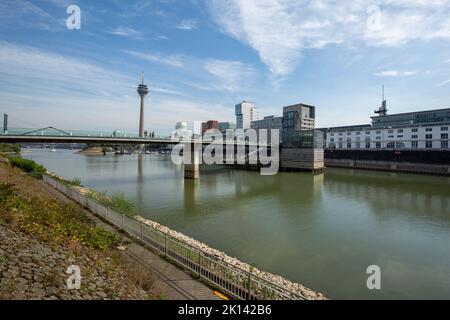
(299, 117)
(246, 113)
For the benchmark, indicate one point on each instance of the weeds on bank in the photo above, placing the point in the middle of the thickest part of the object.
(117, 201)
(10, 148)
(50, 220)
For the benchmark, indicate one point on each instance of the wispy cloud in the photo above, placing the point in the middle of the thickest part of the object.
(231, 75)
(26, 14)
(126, 32)
(171, 60)
(68, 92)
(187, 24)
(281, 30)
(395, 73)
(443, 83)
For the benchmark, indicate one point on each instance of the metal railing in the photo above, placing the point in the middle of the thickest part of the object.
(229, 278)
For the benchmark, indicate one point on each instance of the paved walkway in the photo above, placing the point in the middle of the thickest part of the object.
(172, 282)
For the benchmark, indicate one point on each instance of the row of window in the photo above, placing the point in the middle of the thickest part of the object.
(444, 136)
(391, 145)
(414, 130)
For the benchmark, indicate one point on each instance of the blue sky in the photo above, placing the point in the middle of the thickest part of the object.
(202, 57)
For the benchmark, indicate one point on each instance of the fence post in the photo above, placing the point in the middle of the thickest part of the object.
(165, 245)
(249, 286)
(199, 263)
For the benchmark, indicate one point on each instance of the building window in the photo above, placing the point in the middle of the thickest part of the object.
(415, 136)
(429, 136)
(349, 145)
(444, 129)
(400, 136)
(400, 145)
(415, 130)
(400, 131)
(429, 144)
(349, 133)
(391, 145)
(367, 145)
(415, 144)
(340, 145)
(391, 131)
(367, 132)
(391, 137)
(332, 134)
(378, 145)
(378, 132)
(444, 135)
(429, 130)
(331, 139)
(340, 134)
(358, 133)
(358, 145)
(444, 144)
(378, 138)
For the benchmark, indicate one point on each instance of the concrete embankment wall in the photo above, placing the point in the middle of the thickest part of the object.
(232, 276)
(408, 161)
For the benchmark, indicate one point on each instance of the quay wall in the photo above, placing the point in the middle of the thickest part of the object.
(406, 161)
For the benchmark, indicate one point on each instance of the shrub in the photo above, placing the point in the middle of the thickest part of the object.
(28, 166)
(10, 148)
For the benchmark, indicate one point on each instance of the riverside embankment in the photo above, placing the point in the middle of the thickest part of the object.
(215, 266)
(236, 278)
(43, 233)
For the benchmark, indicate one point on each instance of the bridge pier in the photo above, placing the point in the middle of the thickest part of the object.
(191, 155)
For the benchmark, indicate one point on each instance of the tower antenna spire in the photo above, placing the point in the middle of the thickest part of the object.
(142, 77)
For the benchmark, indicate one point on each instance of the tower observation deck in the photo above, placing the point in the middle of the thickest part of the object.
(142, 90)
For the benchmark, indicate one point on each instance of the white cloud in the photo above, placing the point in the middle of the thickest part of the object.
(395, 73)
(46, 88)
(444, 83)
(188, 24)
(279, 30)
(127, 32)
(171, 60)
(230, 74)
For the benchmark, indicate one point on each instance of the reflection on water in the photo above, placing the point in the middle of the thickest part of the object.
(320, 230)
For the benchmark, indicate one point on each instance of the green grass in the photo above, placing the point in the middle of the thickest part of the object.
(50, 220)
(117, 201)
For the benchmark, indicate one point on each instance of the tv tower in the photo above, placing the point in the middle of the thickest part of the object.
(142, 91)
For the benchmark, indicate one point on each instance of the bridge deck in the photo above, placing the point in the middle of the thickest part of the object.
(111, 140)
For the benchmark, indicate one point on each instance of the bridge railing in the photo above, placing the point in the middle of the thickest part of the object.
(231, 279)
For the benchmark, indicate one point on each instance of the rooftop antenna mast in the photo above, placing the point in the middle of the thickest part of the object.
(382, 111)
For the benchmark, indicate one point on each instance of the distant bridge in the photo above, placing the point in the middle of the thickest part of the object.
(117, 140)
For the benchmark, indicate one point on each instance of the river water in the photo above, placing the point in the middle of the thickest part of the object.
(319, 230)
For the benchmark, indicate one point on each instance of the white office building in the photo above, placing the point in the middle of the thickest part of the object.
(413, 130)
(246, 113)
